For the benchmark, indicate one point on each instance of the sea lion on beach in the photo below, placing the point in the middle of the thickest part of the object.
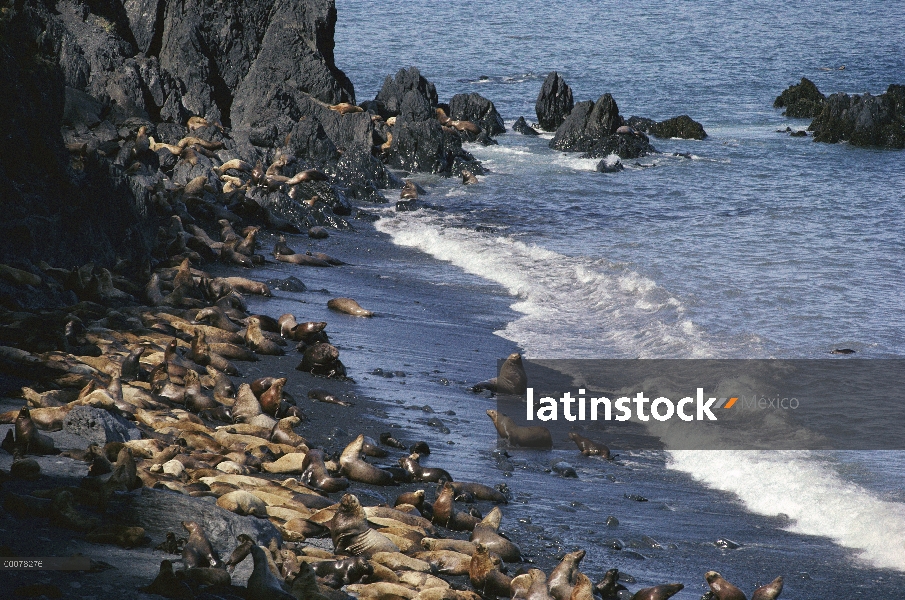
(302, 259)
(322, 359)
(487, 532)
(562, 578)
(258, 342)
(771, 591)
(659, 592)
(535, 436)
(609, 586)
(241, 551)
(198, 551)
(479, 491)
(722, 589)
(583, 588)
(349, 307)
(351, 533)
(28, 440)
(484, 575)
(589, 447)
(356, 469)
(315, 473)
(271, 397)
(433, 474)
(337, 573)
(243, 503)
(326, 397)
(512, 378)
(281, 247)
(445, 513)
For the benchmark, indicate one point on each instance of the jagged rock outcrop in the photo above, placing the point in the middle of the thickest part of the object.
(864, 120)
(683, 127)
(802, 100)
(592, 128)
(391, 95)
(479, 110)
(554, 102)
(521, 126)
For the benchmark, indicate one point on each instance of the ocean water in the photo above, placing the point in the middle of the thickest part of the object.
(758, 246)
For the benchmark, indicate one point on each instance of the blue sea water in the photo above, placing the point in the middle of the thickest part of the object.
(759, 245)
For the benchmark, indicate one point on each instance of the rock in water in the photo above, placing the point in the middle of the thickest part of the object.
(802, 100)
(478, 110)
(554, 102)
(863, 120)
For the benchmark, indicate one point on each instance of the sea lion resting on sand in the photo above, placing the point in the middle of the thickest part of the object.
(535, 436)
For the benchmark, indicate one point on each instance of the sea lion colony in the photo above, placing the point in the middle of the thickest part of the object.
(161, 353)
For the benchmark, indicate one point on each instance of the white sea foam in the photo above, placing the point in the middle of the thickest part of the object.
(809, 491)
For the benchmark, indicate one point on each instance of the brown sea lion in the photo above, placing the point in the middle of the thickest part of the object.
(659, 592)
(243, 503)
(445, 513)
(271, 397)
(511, 380)
(433, 474)
(356, 469)
(325, 396)
(258, 342)
(198, 551)
(562, 578)
(479, 491)
(351, 533)
(468, 178)
(486, 532)
(241, 551)
(337, 573)
(722, 589)
(166, 584)
(609, 586)
(583, 588)
(315, 474)
(322, 359)
(349, 307)
(28, 440)
(409, 191)
(302, 259)
(589, 447)
(281, 247)
(535, 436)
(283, 432)
(344, 108)
(484, 575)
(771, 591)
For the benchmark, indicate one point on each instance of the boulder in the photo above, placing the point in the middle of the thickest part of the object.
(802, 100)
(554, 102)
(389, 98)
(683, 127)
(479, 110)
(587, 124)
(623, 145)
(99, 426)
(863, 120)
(520, 126)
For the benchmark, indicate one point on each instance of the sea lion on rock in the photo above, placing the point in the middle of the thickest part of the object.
(722, 589)
(28, 440)
(351, 533)
(262, 583)
(241, 551)
(535, 436)
(468, 178)
(166, 584)
(345, 108)
(243, 503)
(349, 307)
(659, 592)
(511, 380)
(356, 469)
(771, 591)
(198, 551)
(588, 447)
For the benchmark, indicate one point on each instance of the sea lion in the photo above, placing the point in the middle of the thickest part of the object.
(445, 513)
(325, 396)
(217, 317)
(246, 406)
(659, 592)
(307, 175)
(479, 491)
(258, 342)
(356, 469)
(315, 473)
(281, 247)
(535, 436)
(262, 583)
(337, 573)
(409, 191)
(28, 440)
(722, 589)
(349, 307)
(451, 544)
(302, 259)
(583, 588)
(171, 545)
(511, 380)
(609, 586)
(487, 534)
(466, 126)
(771, 591)
(271, 397)
(562, 578)
(484, 575)
(589, 447)
(468, 178)
(351, 533)
(283, 432)
(198, 551)
(166, 584)
(240, 552)
(322, 359)
(433, 474)
(204, 576)
(243, 503)
(344, 108)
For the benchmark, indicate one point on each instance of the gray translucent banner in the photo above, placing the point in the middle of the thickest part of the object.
(831, 404)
